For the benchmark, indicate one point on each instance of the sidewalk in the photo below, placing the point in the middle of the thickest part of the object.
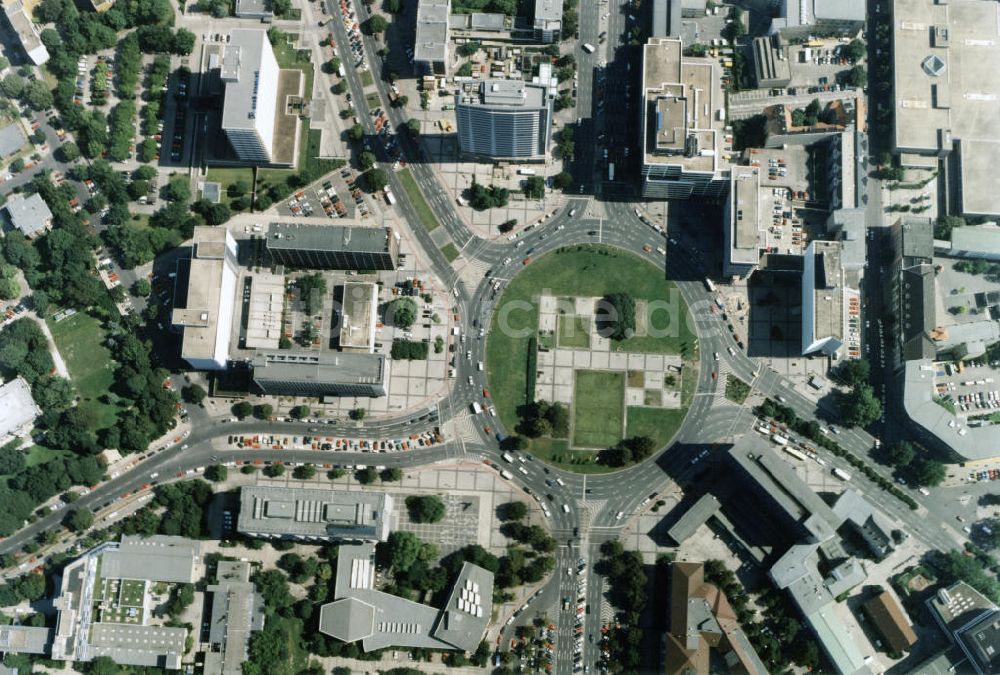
(56, 356)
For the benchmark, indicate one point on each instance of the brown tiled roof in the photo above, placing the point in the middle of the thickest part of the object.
(891, 622)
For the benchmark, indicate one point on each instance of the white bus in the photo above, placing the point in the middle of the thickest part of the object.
(795, 453)
(611, 171)
(841, 474)
(507, 458)
(507, 474)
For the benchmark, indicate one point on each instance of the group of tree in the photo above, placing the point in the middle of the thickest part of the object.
(627, 581)
(534, 187)
(532, 535)
(541, 418)
(409, 350)
(312, 289)
(628, 451)
(33, 93)
(402, 312)
(919, 469)
(492, 197)
(616, 319)
(300, 570)
(425, 508)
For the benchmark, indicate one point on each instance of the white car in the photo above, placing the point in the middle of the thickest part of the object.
(618, 516)
(716, 356)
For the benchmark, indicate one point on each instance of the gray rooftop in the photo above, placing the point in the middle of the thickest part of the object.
(489, 22)
(917, 238)
(548, 11)
(30, 214)
(969, 443)
(431, 42)
(747, 235)
(946, 91)
(17, 407)
(323, 514)
(696, 516)
(242, 59)
(210, 294)
(320, 367)
(666, 18)
(297, 236)
(11, 139)
(252, 8)
(382, 620)
(848, 225)
(502, 94)
(981, 239)
(157, 558)
(134, 645)
(839, 10)
(237, 610)
(25, 639)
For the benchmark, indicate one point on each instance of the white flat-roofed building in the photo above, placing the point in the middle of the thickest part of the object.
(430, 43)
(947, 96)
(829, 296)
(250, 74)
(18, 409)
(30, 215)
(682, 123)
(548, 20)
(314, 515)
(743, 225)
(207, 312)
(27, 35)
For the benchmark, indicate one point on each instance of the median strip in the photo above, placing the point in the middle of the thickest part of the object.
(420, 204)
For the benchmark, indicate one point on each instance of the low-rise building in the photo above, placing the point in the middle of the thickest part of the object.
(704, 508)
(548, 20)
(682, 124)
(770, 64)
(25, 31)
(430, 43)
(891, 621)
(18, 410)
(380, 620)
(25, 639)
(254, 9)
(802, 18)
(701, 619)
(30, 215)
(326, 373)
(358, 316)
(977, 242)
(867, 522)
(326, 247)
(206, 299)
(314, 515)
(237, 611)
(12, 139)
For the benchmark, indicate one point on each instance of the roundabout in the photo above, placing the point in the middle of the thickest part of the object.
(591, 358)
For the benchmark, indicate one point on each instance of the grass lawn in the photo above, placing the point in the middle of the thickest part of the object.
(419, 203)
(577, 271)
(80, 342)
(450, 252)
(598, 408)
(366, 78)
(556, 451)
(131, 592)
(39, 454)
(288, 56)
(573, 331)
(226, 176)
(309, 159)
(658, 423)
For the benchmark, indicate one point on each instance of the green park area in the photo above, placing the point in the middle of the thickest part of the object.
(80, 340)
(600, 418)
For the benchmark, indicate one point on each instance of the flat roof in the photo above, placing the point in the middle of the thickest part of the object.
(839, 10)
(505, 94)
(298, 236)
(945, 54)
(328, 514)
(267, 302)
(12, 139)
(210, 293)
(468, 610)
(828, 295)
(242, 61)
(958, 605)
(17, 407)
(360, 306)
(160, 558)
(696, 516)
(237, 610)
(919, 393)
(983, 239)
(23, 26)
(431, 41)
(321, 367)
(548, 10)
(136, 645)
(30, 214)
(681, 99)
(748, 235)
(25, 639)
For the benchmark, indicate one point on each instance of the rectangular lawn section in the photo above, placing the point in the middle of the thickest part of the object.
(556, 451)
(417, 199)
(80, 340)
(660, 424)
(573, 331)
(450, 252)
(598, 408)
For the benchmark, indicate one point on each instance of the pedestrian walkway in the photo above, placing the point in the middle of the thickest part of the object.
(57, 358)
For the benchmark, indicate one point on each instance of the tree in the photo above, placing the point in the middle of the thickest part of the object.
(860, 407)
(534, 187)
(79, 520)
(12, 86)
(855, 50)
(376, 179)
(263, 411)
(392, 474)
(304, 472)
(274, 470)
(300, 412)
(357, 414)
(366, 476)
(339, 87)
(142, 288)
(402, 312)
(562, 180)
(69, 152)
(242, 409)
(857, 76)
(617, 319)
(401, 550)
(400, 101)
(854, 371)
(37, 95)
(413, 126)
(366, 160)
(183, 42)
(900, 454)
(377, 24)
(217, 473)
(356, 133)
(928, 472)
(425, 509)
(513, 511)
(178, 189)
(102, 665)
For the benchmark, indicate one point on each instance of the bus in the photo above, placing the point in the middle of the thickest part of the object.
(611, 171)
(507, 474)
(795, 453)
(507, 458)
(841, 474)
(587, 47)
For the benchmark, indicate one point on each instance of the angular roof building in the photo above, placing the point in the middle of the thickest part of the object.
(891, 621)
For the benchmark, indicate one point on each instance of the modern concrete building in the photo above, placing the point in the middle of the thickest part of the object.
(868, 523)
(333, 247)
(977, 242)
(30, 215)
(830, 299)
(548, 20)
(891, 622)
(701, 619)
(18, 410)
(430, 44)
(507, 119)
(237, 611)
(327, 373)
(744, 227)
(358, 316)
(801, 18)
(945, 94)
(667, 18)
(682, 121)
(972, 622)
(911, 291)
(94, 621)
(253, 9)
(12, 139)
(25, 639)
(254, 116)
(696, 516)
(308, 514)
(770, 64)
(380, 620)
(25, 31)
(205, 311)
(263, 314)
